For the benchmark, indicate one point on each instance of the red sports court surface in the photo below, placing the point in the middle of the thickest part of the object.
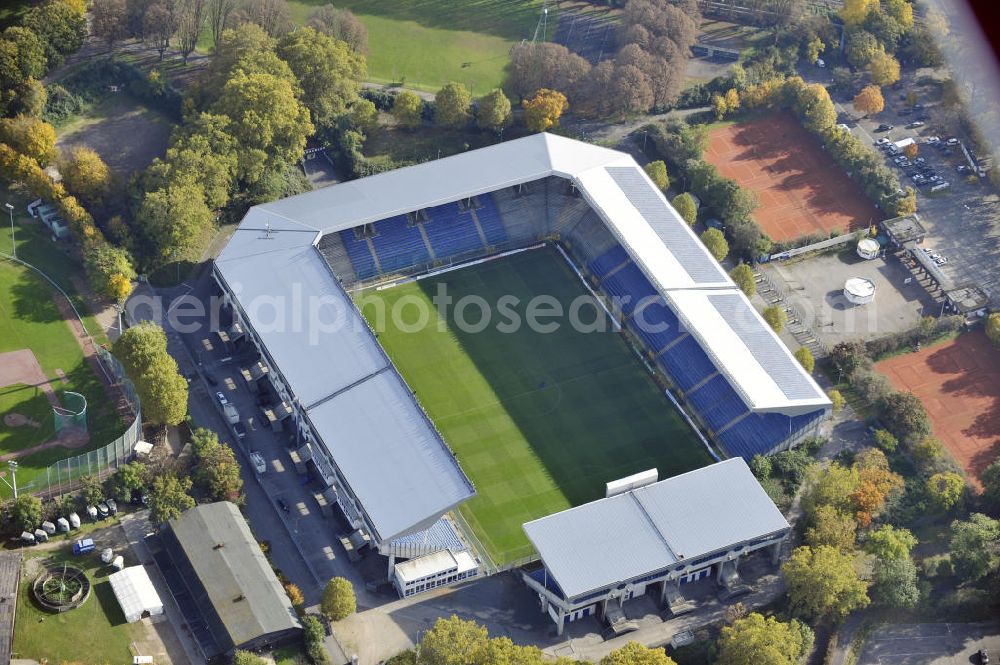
(801, 189)
(959, 384)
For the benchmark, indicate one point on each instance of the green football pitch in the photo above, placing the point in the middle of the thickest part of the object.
(539, 421)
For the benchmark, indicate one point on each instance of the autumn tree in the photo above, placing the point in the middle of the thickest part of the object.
(854, 12)
(945, 490)
(106, 265)
(884, 69)
(542, 112)
(169, 497)
(907, 203)
(174, 220)
(452, 104)
(716, 243)
(267, 120)
(544, 65)
(990, 478)
(108, 21)
(861, 48)
(836, 399)
(158, 25)
(776, 317)
(686, 207)
(756, 640)
(27, 512)
(743, 276)
(822, 582)
(805, 358)
(60, 27)
(30, 136)
(903, 414)
(833, 528)
(329, 72)
(216, 469)
(86, 175)
(407, 109)
(889, 542)
(975, 546)
(342, 25)
(657, 172)
(273, 16)
(993, 327)
(364, 115)
(338, 599)
(22, 57)
(220, 14)
(894, 582)
(634, 653)
(295, 596)
(190, 18)
(494, 111)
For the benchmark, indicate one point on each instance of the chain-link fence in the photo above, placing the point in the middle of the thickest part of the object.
(64, 475)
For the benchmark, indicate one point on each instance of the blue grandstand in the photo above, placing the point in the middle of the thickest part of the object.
(709, 394)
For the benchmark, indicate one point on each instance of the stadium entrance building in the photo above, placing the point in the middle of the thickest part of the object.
(651, 540)
(355, 423)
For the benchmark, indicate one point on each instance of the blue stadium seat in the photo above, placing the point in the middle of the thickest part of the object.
(610, 259)
(489, 219)
(648, 321)
(687, 364)
(398, 244)
(717, 403)
(451, 231)
(631, 285)
(758, 433)
(361, 257)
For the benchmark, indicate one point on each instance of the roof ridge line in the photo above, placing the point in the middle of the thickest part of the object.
(323, 400)
(649, 518)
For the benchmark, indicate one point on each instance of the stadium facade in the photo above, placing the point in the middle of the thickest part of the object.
(356, 420)
(597, 556)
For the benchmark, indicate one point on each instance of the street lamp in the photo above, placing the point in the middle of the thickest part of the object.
(13, 243)
(13, 477)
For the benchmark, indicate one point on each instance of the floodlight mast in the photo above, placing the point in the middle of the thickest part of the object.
(12, 465)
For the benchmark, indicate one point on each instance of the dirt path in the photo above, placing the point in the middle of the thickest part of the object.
(22, 367)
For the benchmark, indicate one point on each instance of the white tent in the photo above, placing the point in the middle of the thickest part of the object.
(135, 593)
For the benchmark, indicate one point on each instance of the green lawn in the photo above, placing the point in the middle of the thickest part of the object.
(539, 421)
(430, 42)
(92, 634)
(29, 318)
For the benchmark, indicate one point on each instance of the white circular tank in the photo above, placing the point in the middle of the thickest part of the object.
(859, 290)
(868, 248)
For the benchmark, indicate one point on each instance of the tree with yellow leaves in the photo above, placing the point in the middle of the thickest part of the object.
(86, 175)
(542, 112)
(29, 136)
(869, 101)
(855, 12)
(884, 69)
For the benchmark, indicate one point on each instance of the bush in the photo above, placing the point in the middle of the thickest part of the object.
(761, 466)
(903, 414)
(805, 357)
(993, 327)
(716, 243)
(837, 400)
(313, 635)
(791, 466)
(743, 276)
(775, 317)
(885, 440)
(62, 105)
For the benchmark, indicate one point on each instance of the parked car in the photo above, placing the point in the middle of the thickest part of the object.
(112, 506)
(915, 124)
(962, 168)
(222, 398)
(940, 260)
(883, 141)
(952, 141)
(884, 127)
(984, 657)
(241, 430)
(918, 107)
(905, 163)
(919, 160)
(283, 505)
(258, 462)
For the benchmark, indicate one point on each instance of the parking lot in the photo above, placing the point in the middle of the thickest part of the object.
(963, 219)
(931, 644)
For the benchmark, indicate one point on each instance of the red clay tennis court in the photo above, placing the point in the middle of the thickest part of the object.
(801, 189)
(959, 384)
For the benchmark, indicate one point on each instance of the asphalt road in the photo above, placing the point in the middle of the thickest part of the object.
(931, 644)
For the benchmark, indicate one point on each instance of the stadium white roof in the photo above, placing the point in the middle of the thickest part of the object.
(747, 351)
(610, 542)
(280, 282)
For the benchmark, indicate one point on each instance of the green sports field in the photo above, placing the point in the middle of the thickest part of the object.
(539, 421)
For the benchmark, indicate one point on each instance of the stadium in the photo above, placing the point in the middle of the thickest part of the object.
(497, 429)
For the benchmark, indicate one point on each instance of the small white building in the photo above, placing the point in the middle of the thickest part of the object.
(433, 570)
(135, 593)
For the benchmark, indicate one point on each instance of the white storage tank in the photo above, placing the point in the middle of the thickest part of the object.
(859, 290)
(868, 248)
